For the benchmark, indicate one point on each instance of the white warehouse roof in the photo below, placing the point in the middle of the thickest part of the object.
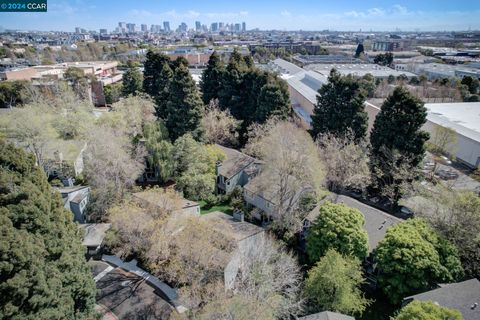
(463, 117)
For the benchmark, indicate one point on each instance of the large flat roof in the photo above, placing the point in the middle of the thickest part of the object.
(463, 117)
(358, 70)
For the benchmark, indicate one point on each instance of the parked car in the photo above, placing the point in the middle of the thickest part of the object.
(445, 160)
(447, 174)
(406, 211)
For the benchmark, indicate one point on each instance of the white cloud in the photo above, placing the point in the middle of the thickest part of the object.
(376, 12)
(400, 9)
(286, 13)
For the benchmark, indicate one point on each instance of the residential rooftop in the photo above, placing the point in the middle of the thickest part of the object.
(94, 233)
(238, 230)
(327, 315)
(376, 221)
(234, 162)
(461, 296)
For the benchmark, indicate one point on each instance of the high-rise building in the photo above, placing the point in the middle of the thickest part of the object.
(183, 27)
(131, 27)
(144, 28)
(221, 26)
(122, 27)
(214, 27)
(77, 30)
(237, 27)
(198, 26)
(166, 26)
(103, 31)
(244, 27)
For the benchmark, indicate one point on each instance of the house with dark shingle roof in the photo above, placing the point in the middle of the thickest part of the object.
(327, 315)
(463, 296)
(235, 170)
(376, 221)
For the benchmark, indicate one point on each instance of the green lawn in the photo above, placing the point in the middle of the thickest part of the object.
(222, 207)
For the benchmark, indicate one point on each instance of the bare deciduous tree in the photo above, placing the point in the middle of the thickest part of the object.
(346, 162)
(112, 164)
(219, 125)
(292, 170)
(455, 214)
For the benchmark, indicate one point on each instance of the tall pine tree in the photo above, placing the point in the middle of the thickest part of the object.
(340, 108)
(43, 270)
(151, 74)
(398, 127)
(132, 80)
(273, 100)
(398, 143)
(212, 78)
(184, 107)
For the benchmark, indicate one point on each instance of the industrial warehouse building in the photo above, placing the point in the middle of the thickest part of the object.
(463, 117)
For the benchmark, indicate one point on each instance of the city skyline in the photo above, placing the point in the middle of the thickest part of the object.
(267, 15)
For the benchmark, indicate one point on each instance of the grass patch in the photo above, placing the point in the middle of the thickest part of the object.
(222, 207)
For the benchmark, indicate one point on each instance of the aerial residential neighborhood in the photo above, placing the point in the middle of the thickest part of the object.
(239, 161)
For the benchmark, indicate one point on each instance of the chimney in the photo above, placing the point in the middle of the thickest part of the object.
(217, 167)
(238, 215)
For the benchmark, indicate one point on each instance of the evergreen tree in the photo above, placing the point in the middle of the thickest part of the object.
(273, 100)
(212, 78)
(151, 74)
(398, 127)
(340, 107)
(157, 78)
(360, 50)
(233, 93)
(163, 93)
(184, 107)
(43, 270)
(132, 80)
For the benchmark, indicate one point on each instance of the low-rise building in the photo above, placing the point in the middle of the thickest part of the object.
(150, 197)
(235, 170)
(76, 199)
(376, 221)
(462, 296)
(244, 236)
(327, 315)
(462, 117)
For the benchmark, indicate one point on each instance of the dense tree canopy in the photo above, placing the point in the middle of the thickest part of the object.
(212, 78)
(132, 80)
(333, 284)
(250, 95)
(398, 126)
(456, 216)
(184, 108)
(427, 310)
(340, 107)
(195, 167)
(398, 140)
(337, 227)
(42, 266)
(413, 258)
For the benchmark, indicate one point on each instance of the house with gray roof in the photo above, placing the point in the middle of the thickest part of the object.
(376, 221)
(235, 170)
(327, 315)
(244, 236)
(463, 296)
(76, 199)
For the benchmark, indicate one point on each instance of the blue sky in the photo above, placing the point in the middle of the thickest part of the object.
(282, 15)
